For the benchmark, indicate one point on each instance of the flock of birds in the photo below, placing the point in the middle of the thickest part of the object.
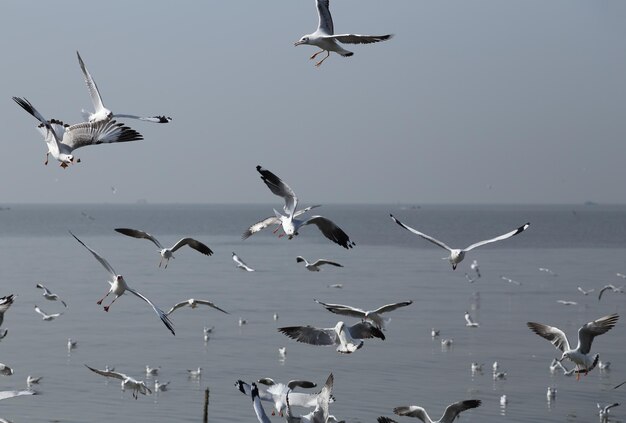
(101, 127)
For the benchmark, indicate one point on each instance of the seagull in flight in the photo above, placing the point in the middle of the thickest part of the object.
(241, 264)
(611, 288)
(456, 254)
(119, 287)
(603, 411)
(345, 337)
(5, 303)
(10, 394)
(470, 322)
(45, 316)
(509, 280)
(193, 303)
(315, 266)
(137, 386)
(48, 295)
(452, 411)
(579, 355)
(475, 268)
(166, 253)
(102, 113)
(587, 292)
(291, 225)
(567, 302)
(324, 37)
(373, 316)
(63, 139)
(273, 220)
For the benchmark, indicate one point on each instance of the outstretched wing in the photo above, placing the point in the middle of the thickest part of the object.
(139, 234)
(258, 407)
(310, 335)
(453, 410)
(193, 243)
(413, 411)
(101, 259)
(56, 136)
(592, 329)
(325, 23)
(306, 209)
(96, 99)
(324, 261)
(166, 321)
(11, 394)
(499, 238)
(360, 39)
(364, 330)
(105, 373)
(392, 307)
(551, 333)
(330, 231)
(418, 233)
(99, 132)
(259, 226)
(210, 304)
(280, 188)
(344, 310)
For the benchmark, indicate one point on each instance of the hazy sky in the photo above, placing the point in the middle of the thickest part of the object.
(472, 101)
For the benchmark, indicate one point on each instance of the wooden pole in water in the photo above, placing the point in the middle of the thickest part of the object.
(206, 406)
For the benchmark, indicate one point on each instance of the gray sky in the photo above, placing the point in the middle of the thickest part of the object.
(484, 101)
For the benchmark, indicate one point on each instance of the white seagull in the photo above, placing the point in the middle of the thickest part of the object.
(193, 303)
(240, 263)
(610, 288)
(579, 355)
(272, 220)
(119, 287)
(195, 373)
(71, 344)
(152, 371)
(457, 255)
(509, 280)
(585, 292)
(567, 302)
(373, 316)
(47, 317)
(315, 266)
(321, 413)
(278, 393)
(551, 393)
(10, 394)
(475, 268)
(603, 411)
(325, 39)
(470, 322)
(5, 303)
(48, 295)
(282, 353)
(548, 271)
(289, 223)
(345, 337)
(160, 387)
(31, 380)
(5, 370)
(207, 333)
(167, 253)
(137, 386)
(452, 411)
(62, 139)
(102, 113)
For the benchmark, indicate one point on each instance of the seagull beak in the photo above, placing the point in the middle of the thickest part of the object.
(297, 43)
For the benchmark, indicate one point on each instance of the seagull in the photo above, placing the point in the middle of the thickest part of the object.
(119, 287)
(452, 411)
(5, 370)
(548, 271)
(551, 393)
(499, 375)
(137, 386)
(45, 316)
(160, 387)
(604, 366)
(575, 370)
(5, 303)
(369, 315)
(272, 220)
(166, 253)
(470, 322)
(457, 255)
(503, 401)
(31, 380)
(587, 292)
(565, 302)
(152, 371)
(282, 353)
(474, 267)
(277, 392)
(195, 373)
(49, 295)
(341, 335)
(62, 139)
(612, 288)
(325, 39)
(193, 303)
(207, 331)
(434, 332)
(446, 343)
(621, 275)
(315, 266)
(102, 113)
(10, 394)
(495, 366)
(71, 344)
(476, 367)
(242, 321)
(579, 355)
(291, 225)
(240, 263)
(336, 285)
(275, 316)
(320, 414)
(509, 280)
(603, 412)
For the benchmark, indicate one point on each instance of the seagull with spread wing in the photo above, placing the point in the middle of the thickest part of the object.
(458, 254)
(581, 354)
(272, 220)
(193, 303)
(345, 337)
(47, 317)
(289, 223)
(324, 37)
(167, 253)
(119, 287)
(137, 386)
(373, 316)
(5, 303)
(11, 394)
(451, 413)
(315, 266)
(241, 264)
(49, 295)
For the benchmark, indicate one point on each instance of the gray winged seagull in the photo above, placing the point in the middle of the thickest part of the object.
(315, 266)
(241, 264)
(193, 303)
(452, 411)
(347, 338)
(137, 386)
(49, 295)
(373, 316)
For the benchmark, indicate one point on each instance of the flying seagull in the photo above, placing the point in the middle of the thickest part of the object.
(119, 287)
(276, 393)
(324, 37)
(272, 220)
(102, 113)
(137, 386)
(452, 411)
(5, 303)
(457, 255)
(580, 354)
(291, 225)
(373, 316)
(48, 295)
(603, 411)
(62, 139)
(166, 253)
(345, 337)
(45, 316)
(585, 292)
(567, 302)
(193, 303)
(611, 288)
(321, 413)
(315, 266)
(470, 322)
(240, 263)
(10, 394)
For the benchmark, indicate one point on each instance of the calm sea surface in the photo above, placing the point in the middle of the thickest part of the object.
(584, 245)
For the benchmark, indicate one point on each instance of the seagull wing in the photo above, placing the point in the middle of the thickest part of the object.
(383, 419)
(177, 306)
(310, 335)
(499, 238)
(392, 307)
(116, 375)
(96, 99)
(258, 407)
(453, 410)
(259, 226)
(551, 333)
(166, 321)
(418, 233)
(360, 39)
(413, 411)
(278, 187)
(56, 137)
(301, 212)
(245, 389)
(46, 291)
(241, 263)
(330, 231)
(343, 309)
(100, 132)
(324, 261)
(292, 384)
(139, 234)
(325, 24)
(11, 394)
(102, 261)
(592, 329)
(195, 244)
(364, 330)
(210, 304)
(38, 310)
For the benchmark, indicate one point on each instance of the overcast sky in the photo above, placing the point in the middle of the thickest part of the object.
(482, 101)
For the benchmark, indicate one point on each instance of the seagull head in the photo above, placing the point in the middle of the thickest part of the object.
(303, 40)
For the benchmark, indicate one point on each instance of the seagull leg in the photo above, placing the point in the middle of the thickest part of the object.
(46, 161)
(315, 55)
(322, 61)
(102, 299)
(106, 308)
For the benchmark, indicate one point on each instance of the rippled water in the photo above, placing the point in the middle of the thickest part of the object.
(584, 245)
